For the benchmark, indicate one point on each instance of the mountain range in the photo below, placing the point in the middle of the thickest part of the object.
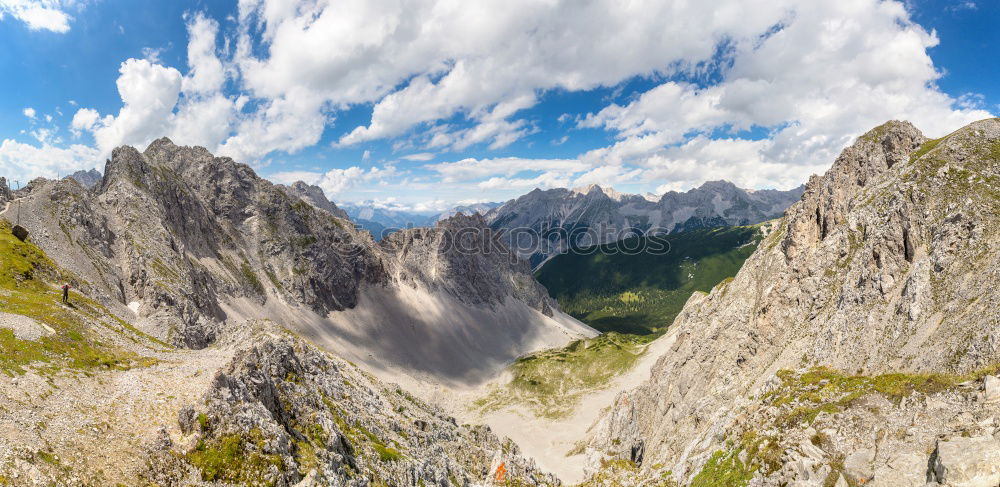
(544, 223)
(381, 221)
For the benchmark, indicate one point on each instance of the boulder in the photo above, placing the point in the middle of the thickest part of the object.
(858, 466)
(991, 388)
(967, 462)
(20, 232)
(904, 469)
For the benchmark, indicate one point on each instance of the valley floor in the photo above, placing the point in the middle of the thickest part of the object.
(556, 443)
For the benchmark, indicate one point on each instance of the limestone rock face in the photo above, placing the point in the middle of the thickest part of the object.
(967, 462)
(991, 389)
(465, 258)
(889, 263)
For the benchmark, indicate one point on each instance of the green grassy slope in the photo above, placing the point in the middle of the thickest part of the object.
(641, 293)
(29, 286)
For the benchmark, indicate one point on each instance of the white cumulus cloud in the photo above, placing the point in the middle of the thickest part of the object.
(38, 14)
(23, 162)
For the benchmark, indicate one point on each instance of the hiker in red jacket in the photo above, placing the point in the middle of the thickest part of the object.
(65, 289)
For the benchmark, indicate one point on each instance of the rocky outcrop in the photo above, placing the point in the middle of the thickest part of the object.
(543, 223)
(888, 265)
(827, 201)
(282, 412)
(972, 462)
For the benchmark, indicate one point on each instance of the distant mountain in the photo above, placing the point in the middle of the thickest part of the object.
(638, 285)
(468, 210)
(5, 193)
(541, 223)
(381, 222)
(88, 179)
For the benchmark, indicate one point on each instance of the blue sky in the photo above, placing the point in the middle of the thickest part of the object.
(422, 104)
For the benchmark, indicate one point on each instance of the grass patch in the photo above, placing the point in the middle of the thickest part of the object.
(24, 273)
(925, 148)
(235, 459)
(805, 396)
(551, 382)
(251, 278)
(48, 458)
(724, 468)
(995, 151)
(387, 454)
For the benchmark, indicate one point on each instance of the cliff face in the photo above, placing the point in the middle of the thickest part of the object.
(889, 263)
(465, 258)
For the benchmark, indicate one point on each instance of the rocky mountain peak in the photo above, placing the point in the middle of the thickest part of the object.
(461, 220)
(590, 188)
(718, 186)
(596, 190)
(828, 198)
(88, 179)
(126, 164)
(315, 196)
(163, 144)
